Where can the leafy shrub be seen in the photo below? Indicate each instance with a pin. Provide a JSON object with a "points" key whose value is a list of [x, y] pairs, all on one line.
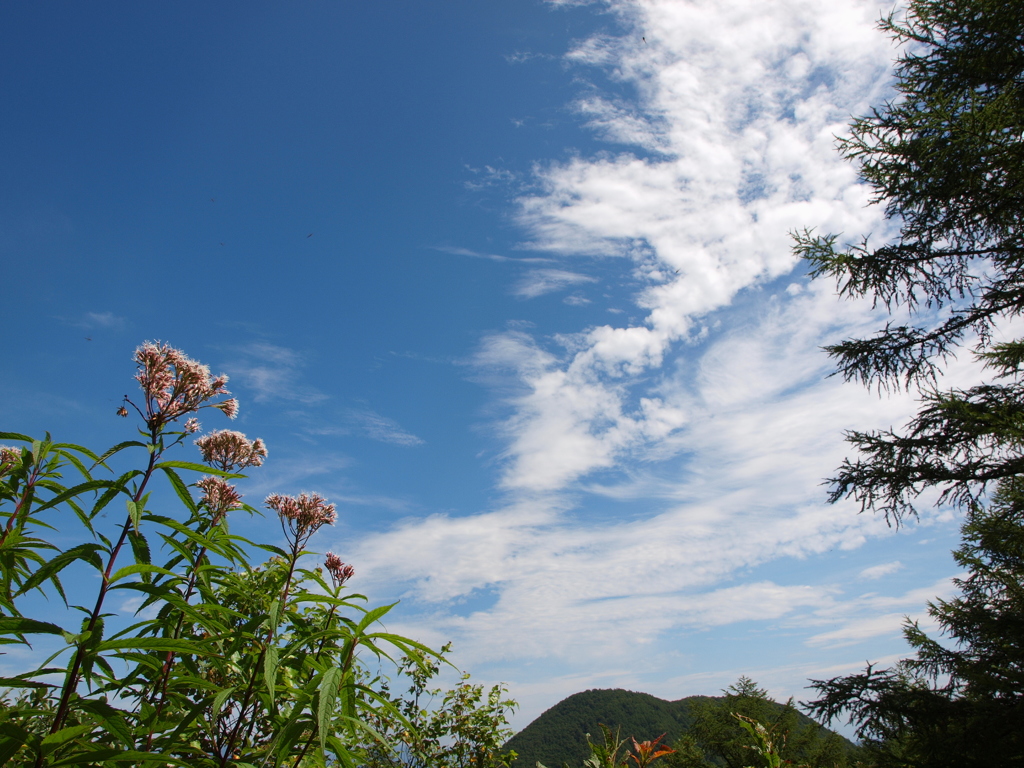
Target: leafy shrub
{"points": [[227, 660]]}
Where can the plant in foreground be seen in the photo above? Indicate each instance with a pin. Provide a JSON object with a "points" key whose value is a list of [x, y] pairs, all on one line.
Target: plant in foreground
{"points": [[226, 661]]}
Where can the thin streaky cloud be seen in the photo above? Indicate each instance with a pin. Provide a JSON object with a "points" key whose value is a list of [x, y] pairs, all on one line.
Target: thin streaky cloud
{"points": [[381, 428], [455, 251], [538, 282], [272, 372], [878, 571], [100, 320]]}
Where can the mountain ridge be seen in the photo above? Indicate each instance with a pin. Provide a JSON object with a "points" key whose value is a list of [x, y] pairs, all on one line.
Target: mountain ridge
{"points": [[559, 735]]}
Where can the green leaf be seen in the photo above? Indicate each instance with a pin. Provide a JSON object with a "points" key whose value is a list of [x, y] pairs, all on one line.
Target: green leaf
{"points": [[12, 738], [218, 701], [140, 547], [373, 615], [20, 682], [325, 707], [63, 736], [135, 510], [270, 662], [196, 468], [112, 720], [150, 644], [274, 615], [87, 552], [129, 756], [180, 488], [128, 570], [120, 447], [16, 625], [72, 639], [78, 490]]}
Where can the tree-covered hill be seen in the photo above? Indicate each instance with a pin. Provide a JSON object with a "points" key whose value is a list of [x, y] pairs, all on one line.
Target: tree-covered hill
{"points": [[704, 724], [559, 735]]}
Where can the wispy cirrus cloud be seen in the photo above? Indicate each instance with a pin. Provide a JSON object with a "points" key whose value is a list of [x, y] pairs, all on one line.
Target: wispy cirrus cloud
{"points": [[538, 282], [381, 428], [878, 571], [651, 467], [100, 320], [456, 251], [272, 372]]}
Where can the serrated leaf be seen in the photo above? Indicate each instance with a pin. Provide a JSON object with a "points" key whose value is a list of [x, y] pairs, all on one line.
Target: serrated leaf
{"points": [[140, 547], [372, 616], [270, 662], [128, 570], [150, 644], [273, 615], [134, 757], [17, 625], [78, 490], [87, 552], [120, 447], [135, 509], [180, 489], [325, 707], [63, 736], [12, 738], [111, 719], [72, 639], [218, 701], [194, 467]]}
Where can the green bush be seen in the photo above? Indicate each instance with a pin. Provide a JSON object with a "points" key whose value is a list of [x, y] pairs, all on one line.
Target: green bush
{"points": [[227, 660]]}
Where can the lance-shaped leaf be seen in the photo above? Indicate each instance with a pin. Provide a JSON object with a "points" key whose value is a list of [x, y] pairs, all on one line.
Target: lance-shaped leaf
{"points": [[16, 625], [328, 689], [270, 663], [86, 552]]}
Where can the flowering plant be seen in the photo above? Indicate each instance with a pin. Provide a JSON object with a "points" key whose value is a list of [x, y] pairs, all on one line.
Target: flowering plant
{"points": [[228, 662]]}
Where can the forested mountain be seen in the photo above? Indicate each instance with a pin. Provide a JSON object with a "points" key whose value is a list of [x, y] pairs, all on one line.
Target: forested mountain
{"points": [[559, 736]]}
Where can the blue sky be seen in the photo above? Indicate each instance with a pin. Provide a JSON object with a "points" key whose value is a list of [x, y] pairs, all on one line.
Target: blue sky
{"points": [[511, 283]]}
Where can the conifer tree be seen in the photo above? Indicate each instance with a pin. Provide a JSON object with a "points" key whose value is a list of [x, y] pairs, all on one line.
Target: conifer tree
{"points": [[946, 160], [958, 702]]}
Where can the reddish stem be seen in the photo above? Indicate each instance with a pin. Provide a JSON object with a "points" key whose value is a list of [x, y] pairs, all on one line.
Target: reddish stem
{"points": [[71, 682]]}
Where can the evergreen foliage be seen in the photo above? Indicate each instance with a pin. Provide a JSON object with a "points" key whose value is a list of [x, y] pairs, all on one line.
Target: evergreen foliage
{"points": [[959, 703], [718, 730], [946, 159]]}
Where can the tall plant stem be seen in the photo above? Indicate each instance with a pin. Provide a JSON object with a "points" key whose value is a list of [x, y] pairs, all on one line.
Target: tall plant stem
{"points": [[237, 729], [71, 682], [24, 501], [165, 670], [319, 652]]}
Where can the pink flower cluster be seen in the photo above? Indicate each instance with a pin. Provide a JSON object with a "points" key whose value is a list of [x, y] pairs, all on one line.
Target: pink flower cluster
{"points": [[219, 496], [340, 572], [229, 450], [9, 458], [175, 385], [308, 512]]}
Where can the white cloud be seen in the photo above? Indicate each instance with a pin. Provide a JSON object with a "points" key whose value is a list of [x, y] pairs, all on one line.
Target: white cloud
{"points": [[651, 468], [537, 282], [457, 251], [878, 571], [272, 372], [382, 428], [103, 320]]}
